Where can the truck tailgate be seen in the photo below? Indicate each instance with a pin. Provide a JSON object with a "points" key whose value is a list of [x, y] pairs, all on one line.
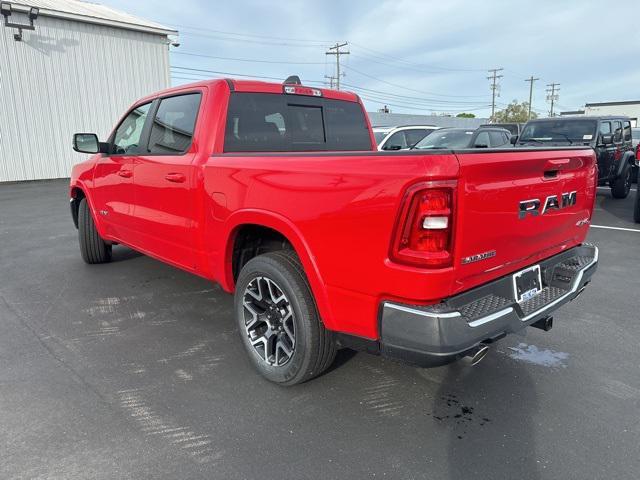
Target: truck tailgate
{"points": [[518, 206]]}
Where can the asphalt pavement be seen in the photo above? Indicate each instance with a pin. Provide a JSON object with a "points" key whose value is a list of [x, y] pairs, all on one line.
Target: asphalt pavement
{"points": [[134, 369]]}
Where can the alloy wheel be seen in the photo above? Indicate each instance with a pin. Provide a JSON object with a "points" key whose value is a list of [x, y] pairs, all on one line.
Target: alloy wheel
{"points": [[269, 321]]}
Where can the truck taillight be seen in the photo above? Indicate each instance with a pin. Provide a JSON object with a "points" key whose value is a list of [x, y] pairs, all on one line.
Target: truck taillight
{"points": [[424, 230]]}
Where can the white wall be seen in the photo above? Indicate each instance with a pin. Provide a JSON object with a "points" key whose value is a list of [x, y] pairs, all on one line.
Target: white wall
{"points": [[68, 77], [630, 110]]}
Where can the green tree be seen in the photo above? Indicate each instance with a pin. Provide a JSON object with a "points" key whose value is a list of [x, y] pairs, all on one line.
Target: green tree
{"points": [[465, 115], [514, 112]]}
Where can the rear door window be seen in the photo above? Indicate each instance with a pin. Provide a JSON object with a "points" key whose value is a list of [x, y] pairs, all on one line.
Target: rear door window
{"points": [[482, 140], [617, 132], [264, 122], [173, 125], [413, 136], [627, 131], [396, 141], [497, 139]]}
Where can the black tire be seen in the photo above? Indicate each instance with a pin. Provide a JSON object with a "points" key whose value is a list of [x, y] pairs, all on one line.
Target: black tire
{"points": [[621, 186], [92, 247], [636, 207], [314, 348]]}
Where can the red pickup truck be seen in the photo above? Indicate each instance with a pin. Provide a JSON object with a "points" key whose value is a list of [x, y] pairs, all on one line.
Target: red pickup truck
{"points": [[277, 192]]}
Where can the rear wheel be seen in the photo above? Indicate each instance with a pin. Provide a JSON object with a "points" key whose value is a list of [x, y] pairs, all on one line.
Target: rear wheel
{"points": [[278, 320], [636, 207], [621, 186], [92, 247]]}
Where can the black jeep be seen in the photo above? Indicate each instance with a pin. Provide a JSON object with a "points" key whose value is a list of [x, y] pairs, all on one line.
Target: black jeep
{"points": [[610, 137]]}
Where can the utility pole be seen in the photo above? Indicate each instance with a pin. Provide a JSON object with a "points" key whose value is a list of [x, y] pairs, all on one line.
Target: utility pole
{"points": [[495, 88], [335, 50], [331, 78], [552, 95], [530, 80]]}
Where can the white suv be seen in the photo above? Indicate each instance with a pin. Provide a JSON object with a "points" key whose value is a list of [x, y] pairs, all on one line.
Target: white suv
{"points": [[401, 138]]}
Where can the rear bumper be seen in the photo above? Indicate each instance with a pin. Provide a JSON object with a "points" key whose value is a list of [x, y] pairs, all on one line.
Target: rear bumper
{"points": [[439, 334]]}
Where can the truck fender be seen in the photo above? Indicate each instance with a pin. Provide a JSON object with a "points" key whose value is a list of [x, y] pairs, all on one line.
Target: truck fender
{"points": [[288, 229], [627, 158], [74, 201]]}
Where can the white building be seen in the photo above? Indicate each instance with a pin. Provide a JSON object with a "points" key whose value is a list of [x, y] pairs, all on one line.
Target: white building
{"points": [[630, 109], [77, 71]]}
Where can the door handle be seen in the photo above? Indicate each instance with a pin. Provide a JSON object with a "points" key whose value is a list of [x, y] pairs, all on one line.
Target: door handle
{"points": [[554, 166], [125, 173], [557, 164], [175, 177]]}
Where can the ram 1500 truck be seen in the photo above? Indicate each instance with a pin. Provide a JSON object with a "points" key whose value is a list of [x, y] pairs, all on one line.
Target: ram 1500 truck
{"points": [[277, 192]]}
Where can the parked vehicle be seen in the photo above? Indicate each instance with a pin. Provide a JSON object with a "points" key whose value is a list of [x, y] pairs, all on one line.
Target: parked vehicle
{"points": [[635, 140], [514, 128], [277, 192], [446, 138], [610, 137], [401, 138], [636, 207]]}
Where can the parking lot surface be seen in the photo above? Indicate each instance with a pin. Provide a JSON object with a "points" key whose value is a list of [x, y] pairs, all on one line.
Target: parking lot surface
{"points": [[134, 369]]}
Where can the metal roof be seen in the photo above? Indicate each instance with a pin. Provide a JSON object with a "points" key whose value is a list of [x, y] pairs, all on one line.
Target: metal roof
{"points": [[91, 13]]}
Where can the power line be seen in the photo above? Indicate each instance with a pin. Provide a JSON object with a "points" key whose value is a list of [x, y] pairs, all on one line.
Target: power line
{"points": [[335, 50], [200, 71], [531, 79], [495, 88], [413, 98], [251, 60], [249, 40], [251, 35], [402, 86], [412, 107], [399, 60]]}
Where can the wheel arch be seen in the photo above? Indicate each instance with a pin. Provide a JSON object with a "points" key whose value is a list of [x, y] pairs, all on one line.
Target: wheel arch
{"points": [[627, 158], [287, 230], [78, 191]]}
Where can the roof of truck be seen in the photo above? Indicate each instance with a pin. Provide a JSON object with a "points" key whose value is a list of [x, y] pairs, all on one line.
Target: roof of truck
{"points": [[256, 86]]}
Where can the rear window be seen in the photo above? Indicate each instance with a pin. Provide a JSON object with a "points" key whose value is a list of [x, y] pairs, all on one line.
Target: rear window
{"points": [[445, 139], [264, 122], [570, 131]]}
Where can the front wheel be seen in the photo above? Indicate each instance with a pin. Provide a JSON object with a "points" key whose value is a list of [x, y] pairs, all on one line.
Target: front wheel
{"points": [[92, 247], [278, 320], [636, 207], [621, 186]]}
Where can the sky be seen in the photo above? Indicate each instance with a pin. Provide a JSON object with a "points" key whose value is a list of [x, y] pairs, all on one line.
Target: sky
{"points": [[414, 56]]}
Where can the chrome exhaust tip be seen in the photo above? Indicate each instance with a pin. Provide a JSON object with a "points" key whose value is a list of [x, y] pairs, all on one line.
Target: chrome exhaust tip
{"points": [[477, 354]]}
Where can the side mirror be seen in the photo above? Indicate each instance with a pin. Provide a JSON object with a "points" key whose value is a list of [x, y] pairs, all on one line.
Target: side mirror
{"points": [[606, 138], [88, 143], [513, 140], [481, 145], [393, 147]]}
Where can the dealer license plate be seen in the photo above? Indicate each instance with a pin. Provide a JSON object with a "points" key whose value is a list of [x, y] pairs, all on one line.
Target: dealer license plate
{"points": [[527, 283]]}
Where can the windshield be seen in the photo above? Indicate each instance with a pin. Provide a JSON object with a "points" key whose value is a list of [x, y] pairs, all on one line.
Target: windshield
{"points": [[379, 136], [445, 139], [573, 131]]}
